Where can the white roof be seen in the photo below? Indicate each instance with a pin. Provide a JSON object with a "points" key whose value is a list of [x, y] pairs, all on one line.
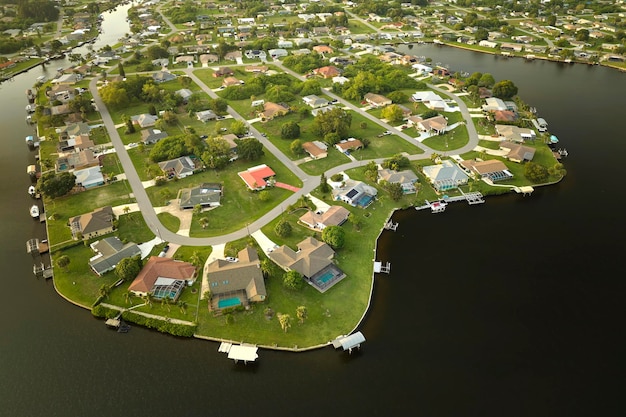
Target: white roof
{"points": [[243, 353], [351, 341]]}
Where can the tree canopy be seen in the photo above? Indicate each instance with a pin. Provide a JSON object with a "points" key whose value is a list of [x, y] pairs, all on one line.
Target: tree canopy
{"points": [[128, 268], [335, 236], [336, 121], [249, 149], [293, 280], [504, 89], [53, 185]]}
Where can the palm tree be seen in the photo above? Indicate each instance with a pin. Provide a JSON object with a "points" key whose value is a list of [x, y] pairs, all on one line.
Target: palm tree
{"points": [[104, 291], [301, 312], [285, 321], [204, 222], [195, 259], [266, 267], [148, 299], [126, 209], [183, 307], [127, 297]]}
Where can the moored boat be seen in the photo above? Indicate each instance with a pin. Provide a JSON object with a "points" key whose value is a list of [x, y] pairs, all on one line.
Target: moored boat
{"points": [[32, 191], [34, 211]]}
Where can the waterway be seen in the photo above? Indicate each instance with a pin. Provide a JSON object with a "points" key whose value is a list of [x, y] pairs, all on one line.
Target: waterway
{"points": [[513, 308]]}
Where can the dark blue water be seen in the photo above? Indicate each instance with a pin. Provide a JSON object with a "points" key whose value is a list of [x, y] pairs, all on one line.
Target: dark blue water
{"points": [[511, 308]]}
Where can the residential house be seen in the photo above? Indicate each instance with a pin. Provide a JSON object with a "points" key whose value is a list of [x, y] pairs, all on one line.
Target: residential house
{"points": [[317, 220], [327, 72], [89, 177], [73, 130], [504, 116], [515, 134], [316, 149], [163, 278], [60, 110], [242, 279], [492, 169], [230, 139], [431, 100], [180, 167], [185, 59], [206, 59], [350, 144], [230, 81], [109, 252], [406, 179], [232, 56], [150, 136], [278, 53], [206, 115], [376, 100], [144, 120], [272, 110], [493, 104], [445, 176], [314, 101], [163, 76], [77, 143], [322, 110], [67, 79], [517, 153], [256, 69], [355, 193], [76, 160], [257, 177], [312, 257], [255, 54], [437, 124], [323, 49], [97, 223], [204, 195], [184, 93], [223, 72]]}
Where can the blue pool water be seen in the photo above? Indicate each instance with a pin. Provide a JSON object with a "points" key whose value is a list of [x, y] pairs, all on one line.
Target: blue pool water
{"points": [[325, 278], [228, 302]]}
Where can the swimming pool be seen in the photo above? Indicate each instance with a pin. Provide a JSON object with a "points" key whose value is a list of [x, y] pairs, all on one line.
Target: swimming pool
{"points": [[229, 302], [327, 276]]}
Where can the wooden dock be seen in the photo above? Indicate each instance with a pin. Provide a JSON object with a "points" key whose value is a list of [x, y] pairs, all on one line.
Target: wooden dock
{"points": [[382, 269], [390, 225]]}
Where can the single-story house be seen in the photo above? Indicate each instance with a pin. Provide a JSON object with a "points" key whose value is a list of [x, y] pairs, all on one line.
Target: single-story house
{"points": [[445, 176], [76, 160], [278, 52], [272, 110], [518, 153], [231, 56], [314, 101], [204, 195], [316, 149], [312, 256], [144, 120], [60, 110], [504, 116], [376, 100], [73, 130], [206, 115], [257, 69], [334, 216], [89, 177], [109, 252], [230, 139], [322, 110], [98, 222], [349, 145], [493, 104], [223, 72], [436, 124], [163, 278], [150, 136], [256, 178], [163, 76], [431, 100], [493, 169], [242, 280], [185, 93], [515, 134], [406, 179], [180, 167], [327, 72], [323, 49], [230, 81], [355, 193], [206, 59]]}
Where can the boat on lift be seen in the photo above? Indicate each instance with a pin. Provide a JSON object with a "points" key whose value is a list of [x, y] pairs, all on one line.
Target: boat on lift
{"points": [[32, 191], [34, 211]]}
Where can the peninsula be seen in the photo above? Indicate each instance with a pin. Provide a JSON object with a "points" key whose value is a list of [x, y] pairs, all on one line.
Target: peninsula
{"points": [[207, 181]]}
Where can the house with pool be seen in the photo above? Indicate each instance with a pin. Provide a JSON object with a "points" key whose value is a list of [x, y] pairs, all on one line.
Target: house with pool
{"points": [[237, 281], [163, 278], [313, 260]]}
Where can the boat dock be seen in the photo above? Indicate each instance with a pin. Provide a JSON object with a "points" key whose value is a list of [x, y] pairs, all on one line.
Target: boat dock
{"points": [[41, 271], [244, 352], [117, 324], [349, 342], [379, 268], [390, 225], [440, 205], [35, 247]]}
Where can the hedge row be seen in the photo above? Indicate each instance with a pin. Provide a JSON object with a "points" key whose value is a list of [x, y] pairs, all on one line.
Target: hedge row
{"points": [[160, 325]]}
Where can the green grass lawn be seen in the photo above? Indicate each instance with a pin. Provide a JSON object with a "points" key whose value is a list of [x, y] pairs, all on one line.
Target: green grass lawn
{"points": [[449, 141], [316, 167]]}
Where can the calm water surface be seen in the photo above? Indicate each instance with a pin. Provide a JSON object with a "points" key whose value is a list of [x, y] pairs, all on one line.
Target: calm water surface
{"points": [[511, 308]]}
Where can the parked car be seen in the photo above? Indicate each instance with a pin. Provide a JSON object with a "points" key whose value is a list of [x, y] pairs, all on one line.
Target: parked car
{"points": [[231, 259]]}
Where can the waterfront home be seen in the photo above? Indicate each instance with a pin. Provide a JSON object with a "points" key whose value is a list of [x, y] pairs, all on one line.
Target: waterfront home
{"points": [[355, 193], [445, 176], [73, 130], [258, 177], [180, 167], [97, 223], [516, 152], [515, 134], [236, 283], [376, 100], [493, 103], [77, 143], [405, 178], [318, 220], [272, 110], [313, 260], [89, 177], [163, 278], [68, 161], [150, 136], [109, 252], [204, 195], [60, 110], [492, 169], [315, 149]]}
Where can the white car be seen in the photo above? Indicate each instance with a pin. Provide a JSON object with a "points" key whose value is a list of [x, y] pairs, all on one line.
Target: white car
{"points": [[231, 259]]}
